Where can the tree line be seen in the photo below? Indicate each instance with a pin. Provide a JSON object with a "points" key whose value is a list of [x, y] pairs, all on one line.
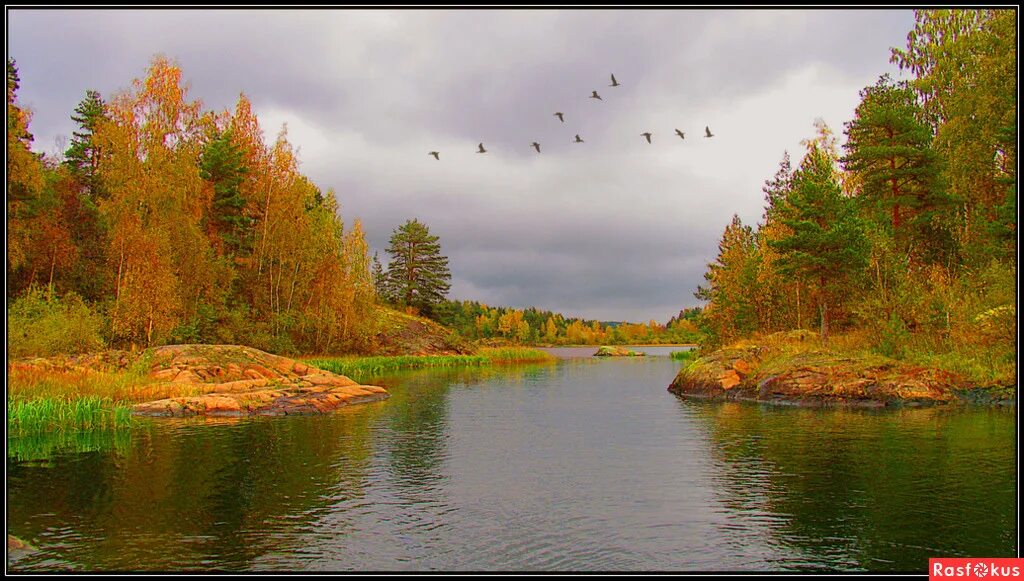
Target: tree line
{"points": [[475, 320], [171, 223], [907, 237]]}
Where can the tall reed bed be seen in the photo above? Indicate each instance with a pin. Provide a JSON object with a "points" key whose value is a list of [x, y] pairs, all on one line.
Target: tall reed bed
{"points": [[50, 414], [125, 387], [516, 355], [43, 399], [362, 366], [365, 366]]}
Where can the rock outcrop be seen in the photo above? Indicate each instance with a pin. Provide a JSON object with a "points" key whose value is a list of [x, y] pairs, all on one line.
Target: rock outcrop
{"points": [[770, 374], [221, 380], [228, 380]]}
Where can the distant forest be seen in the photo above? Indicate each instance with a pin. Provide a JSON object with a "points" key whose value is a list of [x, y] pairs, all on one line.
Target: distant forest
{"points": [[476, 320]]}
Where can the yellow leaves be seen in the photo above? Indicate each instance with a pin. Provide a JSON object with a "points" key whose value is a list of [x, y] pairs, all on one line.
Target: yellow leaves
{"points": [[156, 203], [147, 305]]}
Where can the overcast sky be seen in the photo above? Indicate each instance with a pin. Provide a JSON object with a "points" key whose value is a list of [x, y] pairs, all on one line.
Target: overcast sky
{"points": [[612, 229]]}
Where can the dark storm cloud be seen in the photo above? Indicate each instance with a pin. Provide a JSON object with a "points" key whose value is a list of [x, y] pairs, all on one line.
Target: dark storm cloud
{"points": [[613, 228]]}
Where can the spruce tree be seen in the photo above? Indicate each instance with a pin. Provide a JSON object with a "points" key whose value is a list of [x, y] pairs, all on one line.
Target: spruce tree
{"points": [[418, 274], [730, 313], [379, 279]]}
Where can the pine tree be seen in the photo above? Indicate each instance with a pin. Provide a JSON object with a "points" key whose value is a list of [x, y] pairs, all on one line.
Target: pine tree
{"points": [[25, 176], [418, 274], [889, 148], [222, 165], [826, 244]]}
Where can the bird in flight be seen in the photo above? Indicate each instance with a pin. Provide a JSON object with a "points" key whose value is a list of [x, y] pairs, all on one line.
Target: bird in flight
{"points": [[536, 146], [596, 96], [707, 131], [578, 140], [559, 115], [614, 82], [436, 154], [482, 150], [647, 134], [680, 134]]}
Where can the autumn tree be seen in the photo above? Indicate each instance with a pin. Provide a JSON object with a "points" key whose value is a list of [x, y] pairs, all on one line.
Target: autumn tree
{"points": [[550, 330], [512, 325], [154, 206], [730, 311], [25, 179], [778, 302], [965, 63], [418, 273]]}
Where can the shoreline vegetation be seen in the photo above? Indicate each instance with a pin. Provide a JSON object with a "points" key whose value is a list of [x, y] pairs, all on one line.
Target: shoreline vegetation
{"points": [[358, 366], [101, 390]]}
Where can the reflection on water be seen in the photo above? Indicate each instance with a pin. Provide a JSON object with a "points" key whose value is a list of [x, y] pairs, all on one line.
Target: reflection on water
{"points": [[586, 465], [868, 488]]}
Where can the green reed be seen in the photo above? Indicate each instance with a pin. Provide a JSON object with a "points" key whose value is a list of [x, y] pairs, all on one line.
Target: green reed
{"points": [[48, 414], [362, 366]]}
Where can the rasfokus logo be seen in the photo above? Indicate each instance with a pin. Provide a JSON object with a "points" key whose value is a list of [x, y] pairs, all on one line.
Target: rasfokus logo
{"points": [[978, 568]]}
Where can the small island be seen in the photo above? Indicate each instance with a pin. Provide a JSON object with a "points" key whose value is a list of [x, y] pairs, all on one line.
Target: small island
{"points": [[607, 351], [791, 368]]}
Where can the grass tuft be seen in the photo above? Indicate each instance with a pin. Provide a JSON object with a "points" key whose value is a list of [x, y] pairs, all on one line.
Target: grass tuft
{"points": [[57, 414]]}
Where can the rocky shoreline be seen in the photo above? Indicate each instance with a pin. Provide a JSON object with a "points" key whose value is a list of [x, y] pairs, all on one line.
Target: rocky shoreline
{"points": [[787, 369], [224, 380]]}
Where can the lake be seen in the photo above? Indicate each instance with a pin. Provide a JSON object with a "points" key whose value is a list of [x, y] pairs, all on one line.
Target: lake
{"points": [[585, 464]]}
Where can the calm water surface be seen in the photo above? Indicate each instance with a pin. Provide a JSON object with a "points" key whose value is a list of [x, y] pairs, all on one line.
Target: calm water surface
{"points": [[585, 465]]}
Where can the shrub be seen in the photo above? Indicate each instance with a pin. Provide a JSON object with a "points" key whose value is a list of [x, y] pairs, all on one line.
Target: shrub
{"points": [[894, 338], [39, 323]]}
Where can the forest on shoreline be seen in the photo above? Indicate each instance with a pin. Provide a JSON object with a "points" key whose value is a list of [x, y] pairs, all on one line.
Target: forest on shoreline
{"points": [[164, 223], [902, 243]]}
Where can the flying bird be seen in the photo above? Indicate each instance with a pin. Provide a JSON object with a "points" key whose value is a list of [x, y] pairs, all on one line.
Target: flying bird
{"points": [[578, 140], [647, 134], [536, 146], [559, 115], [614, 82], [436, 154], [596, 96], [482, 150], [707, 132], [680, 134]]}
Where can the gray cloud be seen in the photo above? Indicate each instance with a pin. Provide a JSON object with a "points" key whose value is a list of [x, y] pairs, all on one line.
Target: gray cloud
{"points": [[613, 228]]}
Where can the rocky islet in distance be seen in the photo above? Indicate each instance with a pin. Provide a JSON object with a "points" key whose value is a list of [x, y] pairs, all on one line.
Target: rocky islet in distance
{"points": [[617, 352]]}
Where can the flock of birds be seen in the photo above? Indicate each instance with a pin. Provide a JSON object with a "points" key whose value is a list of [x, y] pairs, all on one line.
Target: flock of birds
{"points": [[561, 117]]}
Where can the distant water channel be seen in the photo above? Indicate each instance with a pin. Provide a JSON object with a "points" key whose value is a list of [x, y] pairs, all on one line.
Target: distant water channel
{"points": [[586, 464]]}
